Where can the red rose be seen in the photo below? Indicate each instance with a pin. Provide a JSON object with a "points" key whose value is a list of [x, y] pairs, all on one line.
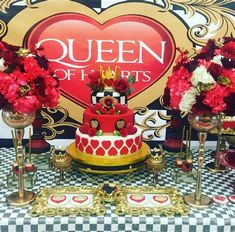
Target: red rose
{"points": [[84, 128], [131, 129], [121, 85], [95, 81], [95, 108], [92, 131], [121, 109], [215, 70], [123, 132]]}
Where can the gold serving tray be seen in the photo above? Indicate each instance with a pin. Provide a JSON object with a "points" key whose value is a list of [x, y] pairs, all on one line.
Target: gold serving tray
{"points": [[41, 206], [177, 206]]}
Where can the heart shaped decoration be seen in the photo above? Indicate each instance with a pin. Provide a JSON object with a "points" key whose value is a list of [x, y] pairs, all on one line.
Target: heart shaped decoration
{"points": [[161, 199], [77, 44], [137, 198], [220, 199], [80, 198], [232, 199], [58, 198]]}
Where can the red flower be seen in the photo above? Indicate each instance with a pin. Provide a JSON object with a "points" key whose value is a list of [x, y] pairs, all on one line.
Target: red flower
{"points": [[121, 85], [121, 109], [203, 82], [84, 128], [131, 129], [228, 50], [214, 98], [96, 108], [92, 131], [123, 132], [95, 82], [27, 82]]}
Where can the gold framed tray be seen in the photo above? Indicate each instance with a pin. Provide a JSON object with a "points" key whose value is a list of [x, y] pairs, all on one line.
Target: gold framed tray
{"points": [[65, 201], [109, 165], [149, 200]]}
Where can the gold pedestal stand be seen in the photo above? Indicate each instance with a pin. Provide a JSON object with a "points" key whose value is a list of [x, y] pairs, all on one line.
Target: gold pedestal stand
{"points": [[215, 166], [19, 121], [22, 197], [201, 203], [202, 123]]}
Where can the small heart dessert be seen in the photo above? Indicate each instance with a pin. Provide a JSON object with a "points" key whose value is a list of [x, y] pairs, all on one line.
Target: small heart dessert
{"points": [[137, 199], [220, 199], [80, 200], [161, 200], [232, 199], [57, 199]]}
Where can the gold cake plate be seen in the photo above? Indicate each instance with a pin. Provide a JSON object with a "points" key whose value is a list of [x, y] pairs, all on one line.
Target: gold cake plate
{"points": [[109, 165]]}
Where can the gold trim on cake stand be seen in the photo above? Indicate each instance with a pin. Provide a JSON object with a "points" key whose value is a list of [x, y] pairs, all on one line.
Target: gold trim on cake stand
{"points": [[127, 163]]}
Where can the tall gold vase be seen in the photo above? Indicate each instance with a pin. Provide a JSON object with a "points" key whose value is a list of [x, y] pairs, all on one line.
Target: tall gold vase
{"points": [[203, 123], [19, 122]]}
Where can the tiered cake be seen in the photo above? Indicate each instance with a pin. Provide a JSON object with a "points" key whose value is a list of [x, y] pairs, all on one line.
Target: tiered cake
{"points": [[108, 139]]}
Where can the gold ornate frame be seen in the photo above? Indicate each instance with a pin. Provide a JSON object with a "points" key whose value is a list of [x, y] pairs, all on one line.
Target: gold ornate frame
{"points": [[41, 208], [177, 206]]}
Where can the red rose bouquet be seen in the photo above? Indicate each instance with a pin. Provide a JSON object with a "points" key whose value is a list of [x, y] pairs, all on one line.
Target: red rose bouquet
{"points": [[106, 79], [27, 81], [204, 82]]}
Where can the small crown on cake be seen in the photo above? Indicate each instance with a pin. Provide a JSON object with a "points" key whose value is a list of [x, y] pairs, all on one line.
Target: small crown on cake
{"points": [[108, 73]]}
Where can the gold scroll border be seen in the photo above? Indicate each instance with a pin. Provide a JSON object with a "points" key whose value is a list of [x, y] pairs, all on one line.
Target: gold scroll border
{"points": [[42, 10], [177, 206], [41, 208]]}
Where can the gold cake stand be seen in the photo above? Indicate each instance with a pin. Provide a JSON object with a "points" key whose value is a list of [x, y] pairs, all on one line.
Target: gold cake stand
{"points": [[109, 165]]}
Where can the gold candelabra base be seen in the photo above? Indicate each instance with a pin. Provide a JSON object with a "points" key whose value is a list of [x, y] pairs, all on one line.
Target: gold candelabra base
{"points": [[203, 203], [14, 198], [213, 167]]}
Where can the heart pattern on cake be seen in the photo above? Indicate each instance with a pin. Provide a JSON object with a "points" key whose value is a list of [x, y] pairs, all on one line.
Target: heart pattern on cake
{"points": [[106, 144], [118, 143], [94, 143]]}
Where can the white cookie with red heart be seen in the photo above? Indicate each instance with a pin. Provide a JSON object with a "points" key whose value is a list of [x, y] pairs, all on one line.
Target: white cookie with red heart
{"points": [[80, 200], [58, 200], [232, 199], [137, 199], [220, 199], [160, 200]]}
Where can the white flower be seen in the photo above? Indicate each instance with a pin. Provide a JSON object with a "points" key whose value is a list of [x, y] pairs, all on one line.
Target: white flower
{"points": [[200, 75], [217, 60], [188, 100], [2, 67]]}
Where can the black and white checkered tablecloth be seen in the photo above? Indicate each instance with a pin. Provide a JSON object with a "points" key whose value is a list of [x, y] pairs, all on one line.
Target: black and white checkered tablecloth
{"points": [[217, 218]]}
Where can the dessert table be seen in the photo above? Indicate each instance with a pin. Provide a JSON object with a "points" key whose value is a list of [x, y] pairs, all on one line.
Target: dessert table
{"points": [[217, 218]]}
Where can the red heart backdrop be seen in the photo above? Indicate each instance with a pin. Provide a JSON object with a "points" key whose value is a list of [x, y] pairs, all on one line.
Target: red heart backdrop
{"points": [[78, 44]]}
